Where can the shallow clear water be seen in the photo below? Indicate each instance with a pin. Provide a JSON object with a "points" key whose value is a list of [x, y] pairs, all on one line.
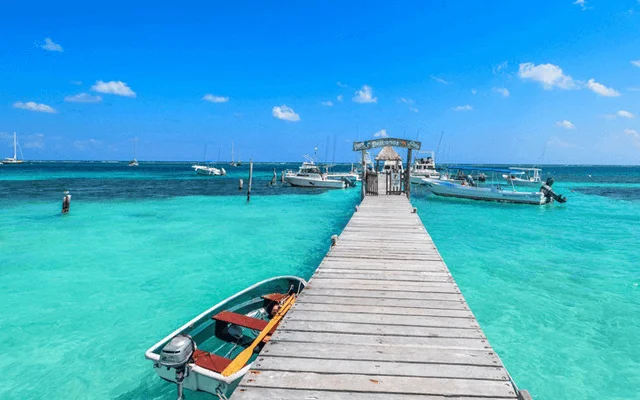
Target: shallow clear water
{"points": [[145, 249]]}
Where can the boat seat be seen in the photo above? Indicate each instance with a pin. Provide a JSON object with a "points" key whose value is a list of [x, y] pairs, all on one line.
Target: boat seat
{"points": [[277, 297], [241, 320], [210, 361]]}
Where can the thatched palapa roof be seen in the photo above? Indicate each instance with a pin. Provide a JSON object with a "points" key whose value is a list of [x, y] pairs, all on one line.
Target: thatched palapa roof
{"points": [[388, 154]]}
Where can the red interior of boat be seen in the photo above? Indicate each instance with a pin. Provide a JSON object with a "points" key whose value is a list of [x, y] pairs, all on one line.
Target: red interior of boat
{"points": [[277, 297], [241, 320], [210, 361]]}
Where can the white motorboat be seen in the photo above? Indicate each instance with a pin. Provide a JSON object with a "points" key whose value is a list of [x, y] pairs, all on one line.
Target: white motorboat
{"points": [[424, 167], [353, 175], [14, 159], [469, 189], [310, 175], [213, 351], [524, 176]]}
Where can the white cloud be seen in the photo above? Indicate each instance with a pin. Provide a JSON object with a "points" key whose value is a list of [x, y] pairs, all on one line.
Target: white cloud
{"points": [[463, 108], [83, 98], [381, 133], [365, 95], [474, 91], [502, 91], [113, 87], [415, 110], [342, 85], [557, 142], [49, 45], [636, 63], [32, 106], [500, 67], [215, 99], [340, 97], [635, 135], [601, 89], [566, 124], [581, 3], [405, 101], [549, 75], [34, 141], [440, 80], [327, 103], [625, 114], [285, 113]]}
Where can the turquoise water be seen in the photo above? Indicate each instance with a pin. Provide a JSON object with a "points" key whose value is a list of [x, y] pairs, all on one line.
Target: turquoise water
{"points": [[144, 250]]}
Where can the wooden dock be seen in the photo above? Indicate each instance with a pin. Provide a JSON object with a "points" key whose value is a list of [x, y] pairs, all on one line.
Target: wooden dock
{"points": [[382, 318]]}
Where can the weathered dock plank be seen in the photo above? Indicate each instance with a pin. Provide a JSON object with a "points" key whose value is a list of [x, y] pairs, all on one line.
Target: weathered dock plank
{"points": [[381, 318]]}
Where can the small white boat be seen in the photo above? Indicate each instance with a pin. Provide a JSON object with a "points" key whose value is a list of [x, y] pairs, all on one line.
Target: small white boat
{"points": [[213, 351], [524, 176], [208, 170], [353, 175], [424, 167], [14, 159], [134, 162], [310, 175]]}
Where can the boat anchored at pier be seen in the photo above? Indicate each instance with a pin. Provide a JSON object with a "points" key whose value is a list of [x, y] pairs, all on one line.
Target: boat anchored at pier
{"points": [[213, 351]]}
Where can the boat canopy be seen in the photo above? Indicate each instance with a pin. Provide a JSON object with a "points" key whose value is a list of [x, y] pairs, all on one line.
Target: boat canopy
{"points": [[525, 169], [483, 169]]}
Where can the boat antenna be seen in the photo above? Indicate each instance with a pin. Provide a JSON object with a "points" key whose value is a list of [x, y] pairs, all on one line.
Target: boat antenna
{"points": [[326, 151], [335, 136], [439, 141]]}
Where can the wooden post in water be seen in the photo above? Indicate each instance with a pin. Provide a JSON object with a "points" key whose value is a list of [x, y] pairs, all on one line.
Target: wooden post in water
{"points": [[363, 191], [66, 202], [250, 179], [282, 176], [240, 182], [407, 184]]}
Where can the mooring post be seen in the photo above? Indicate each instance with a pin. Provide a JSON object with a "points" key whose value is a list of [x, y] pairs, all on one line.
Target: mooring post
{"points": [[407, 184], [240, 182], [282, 177], [363, 190], [66, 202], [250, 179], [334, 240]]}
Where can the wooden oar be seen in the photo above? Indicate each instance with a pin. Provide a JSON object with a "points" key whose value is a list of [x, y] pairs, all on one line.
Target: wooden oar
{"points": [[242, 358]]}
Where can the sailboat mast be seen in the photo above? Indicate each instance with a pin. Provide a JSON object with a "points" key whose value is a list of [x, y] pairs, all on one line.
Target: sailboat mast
{"points": [[232, 151], [15, 144]]}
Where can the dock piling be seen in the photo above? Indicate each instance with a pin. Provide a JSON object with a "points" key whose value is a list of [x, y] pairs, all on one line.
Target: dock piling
{"points": [[250, 179], [66, 202]]}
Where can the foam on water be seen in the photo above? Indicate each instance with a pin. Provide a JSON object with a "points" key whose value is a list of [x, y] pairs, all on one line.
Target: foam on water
{"points": [[144, 250]]}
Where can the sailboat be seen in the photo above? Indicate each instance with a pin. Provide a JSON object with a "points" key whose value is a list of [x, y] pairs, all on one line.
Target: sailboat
{"points": [[205, 169], [14, 159], [234, 163], [134, 162]]}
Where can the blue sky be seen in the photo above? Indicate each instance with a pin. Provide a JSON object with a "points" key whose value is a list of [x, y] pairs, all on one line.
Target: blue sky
{"points": [[502, 79]]}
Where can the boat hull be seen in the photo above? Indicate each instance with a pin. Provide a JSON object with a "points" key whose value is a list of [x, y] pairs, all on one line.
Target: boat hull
{"points": [[301, 181], [450, 189], [202, 328], [208, 171]]}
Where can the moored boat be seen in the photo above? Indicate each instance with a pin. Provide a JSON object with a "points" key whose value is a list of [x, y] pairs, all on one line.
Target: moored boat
{"points": [[524, 176], [310, 175], [14, 159], [468, 188], [424, 167], [208, 170], [213, 351]]}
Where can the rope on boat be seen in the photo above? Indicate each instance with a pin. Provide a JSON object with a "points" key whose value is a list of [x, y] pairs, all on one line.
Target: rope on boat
{"points": [[221, 395]]}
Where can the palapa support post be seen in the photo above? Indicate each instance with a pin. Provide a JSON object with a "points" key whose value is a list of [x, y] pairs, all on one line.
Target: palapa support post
{"points": [[66, 202], [407, 184], [363, 189], [250, 179]]}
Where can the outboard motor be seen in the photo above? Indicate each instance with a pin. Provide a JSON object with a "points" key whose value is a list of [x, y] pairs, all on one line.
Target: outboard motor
{"points": [[549, 194], [470, 181], [348, 182], [177, 354], [482, 178]]}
